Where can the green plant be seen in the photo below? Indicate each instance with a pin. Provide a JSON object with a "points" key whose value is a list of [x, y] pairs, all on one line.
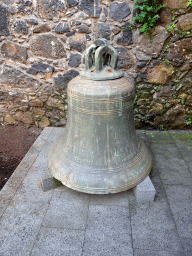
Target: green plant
{"points": [[181, 101], [156, 88], [178, 32], [122, 28], [188, 121], [167, 47], [148, 14], [130, 27], [189, 3], [172, 27]]}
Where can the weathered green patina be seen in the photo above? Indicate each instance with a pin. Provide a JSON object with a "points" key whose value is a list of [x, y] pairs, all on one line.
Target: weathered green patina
{"points": [[101, 61]]}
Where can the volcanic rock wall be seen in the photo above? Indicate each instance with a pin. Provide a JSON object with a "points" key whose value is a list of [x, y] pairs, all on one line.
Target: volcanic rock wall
{"points": [[41, 49]]}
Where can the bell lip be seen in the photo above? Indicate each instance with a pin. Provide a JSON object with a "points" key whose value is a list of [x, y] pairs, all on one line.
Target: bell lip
{"points": [[103, 75], [145, 163], [105, 191]]}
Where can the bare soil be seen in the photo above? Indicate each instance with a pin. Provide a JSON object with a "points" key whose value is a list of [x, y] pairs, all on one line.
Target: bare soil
{"points": [[15, 142]]}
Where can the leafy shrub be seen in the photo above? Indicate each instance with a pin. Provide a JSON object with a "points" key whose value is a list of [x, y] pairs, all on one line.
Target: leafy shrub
{"points": [[148, 14], [189, 3]]}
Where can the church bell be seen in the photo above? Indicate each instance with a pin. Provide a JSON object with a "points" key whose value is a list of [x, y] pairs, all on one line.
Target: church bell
{"points": [[99, 151]]}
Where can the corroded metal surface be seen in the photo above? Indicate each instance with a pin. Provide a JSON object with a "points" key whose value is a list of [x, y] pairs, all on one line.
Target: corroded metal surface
{"points": [[99, 151], [101, 61]]}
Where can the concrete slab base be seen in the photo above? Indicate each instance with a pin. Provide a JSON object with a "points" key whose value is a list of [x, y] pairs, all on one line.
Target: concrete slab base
{"points": [[145, 191], [48, 182]]}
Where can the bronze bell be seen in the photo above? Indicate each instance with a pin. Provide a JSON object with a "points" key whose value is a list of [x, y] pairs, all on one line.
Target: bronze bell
{"points": [[99, 152]]}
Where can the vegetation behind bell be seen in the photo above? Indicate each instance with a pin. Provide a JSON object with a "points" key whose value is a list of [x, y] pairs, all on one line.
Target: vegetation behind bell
{"points": [[99, 152]]}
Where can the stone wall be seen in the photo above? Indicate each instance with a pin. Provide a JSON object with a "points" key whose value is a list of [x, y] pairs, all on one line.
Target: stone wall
{"points": [[41, 49]]}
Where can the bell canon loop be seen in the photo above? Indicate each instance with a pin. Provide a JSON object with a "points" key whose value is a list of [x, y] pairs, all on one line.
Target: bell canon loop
{"points": [[99, 151]]}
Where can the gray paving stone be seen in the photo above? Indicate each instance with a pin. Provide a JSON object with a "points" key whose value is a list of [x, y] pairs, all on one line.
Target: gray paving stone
{"points": [[183, 141], [119, 199], [171, 165], [108, 231], [32, 191], [68, 209], [56, 241], [139, 252], [174, 171], [19, 227], [14, 182], [108, 217], [110, 242], [4, 204], [39, 169], [180, 200], [153, 227], [187, 244], [159, 137]]}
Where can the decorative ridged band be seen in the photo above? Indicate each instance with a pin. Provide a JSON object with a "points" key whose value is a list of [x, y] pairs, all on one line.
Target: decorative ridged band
{"points": [[128, 164], [114, 100]]}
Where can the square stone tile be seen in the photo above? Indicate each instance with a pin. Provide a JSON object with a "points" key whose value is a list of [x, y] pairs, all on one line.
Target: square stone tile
{"points": [[180, 200], [19, 227], [139, 252], [108, 242], [108, 231], [159, 137], [58, 242], [171, 166], [183, 141], [68, 209], [104, 217], [187, 244], [153, 227], [117, 199]]}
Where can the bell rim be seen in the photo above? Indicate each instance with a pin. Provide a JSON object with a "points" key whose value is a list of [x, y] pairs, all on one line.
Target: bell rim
{"points": [[145, 163]]}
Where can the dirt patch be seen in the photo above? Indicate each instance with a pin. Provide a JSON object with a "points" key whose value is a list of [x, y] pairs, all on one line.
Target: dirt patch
{"points": [[15, 142]]}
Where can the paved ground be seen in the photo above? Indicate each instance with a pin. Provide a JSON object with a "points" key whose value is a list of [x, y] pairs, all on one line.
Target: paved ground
{"points": [[65, 222]]}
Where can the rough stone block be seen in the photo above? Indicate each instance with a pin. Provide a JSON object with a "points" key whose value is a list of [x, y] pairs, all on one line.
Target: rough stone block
{"points": [[103, 30], [157, 73], [48, 184], [125, 58], [175, 4], [119, 11], [145, 191], [21, 27], [90, 6], [47, 46], [17, 79], [14, 51], [62, 28], [125, 38], [185, 21], [3, 21], [49, 9], [74, 60], [61, 81]]}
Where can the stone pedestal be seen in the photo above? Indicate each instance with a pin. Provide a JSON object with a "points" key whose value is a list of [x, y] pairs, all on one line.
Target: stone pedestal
{"points": [[145, 191]]}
